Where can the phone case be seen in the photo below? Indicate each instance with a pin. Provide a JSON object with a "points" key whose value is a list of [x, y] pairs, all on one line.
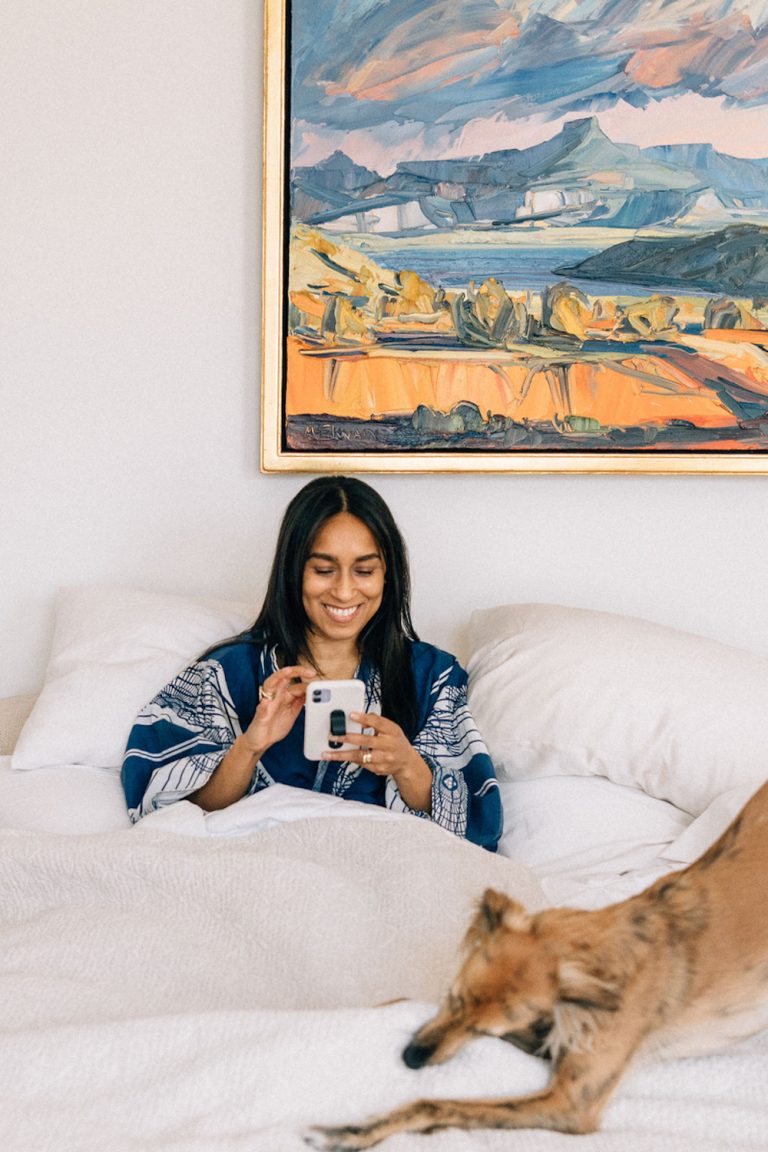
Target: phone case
{"points": [[326, 711]]}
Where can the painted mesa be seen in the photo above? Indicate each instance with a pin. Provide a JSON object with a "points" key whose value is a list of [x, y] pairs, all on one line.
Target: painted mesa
{"points": [[572, 296]]}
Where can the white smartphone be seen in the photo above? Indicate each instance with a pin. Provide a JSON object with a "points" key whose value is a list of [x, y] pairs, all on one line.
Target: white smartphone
{"points": [[326, 714]]}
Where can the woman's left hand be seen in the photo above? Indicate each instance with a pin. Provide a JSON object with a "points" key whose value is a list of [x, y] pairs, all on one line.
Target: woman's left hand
{"points": [[385, 750]]}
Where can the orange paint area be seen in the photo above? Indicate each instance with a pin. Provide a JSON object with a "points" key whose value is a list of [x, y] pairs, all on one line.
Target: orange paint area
{"points": [[363, 384], [702, 50], [369, 343]]}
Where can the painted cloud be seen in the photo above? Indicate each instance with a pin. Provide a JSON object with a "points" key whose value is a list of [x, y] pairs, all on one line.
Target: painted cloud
{"points": [[362, 63]]}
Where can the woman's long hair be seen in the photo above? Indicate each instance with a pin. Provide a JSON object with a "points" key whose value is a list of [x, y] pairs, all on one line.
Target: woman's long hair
{"points": [[384, 641]]}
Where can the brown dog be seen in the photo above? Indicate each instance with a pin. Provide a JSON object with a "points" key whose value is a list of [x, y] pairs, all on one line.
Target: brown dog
{"points": [[682, 968]]}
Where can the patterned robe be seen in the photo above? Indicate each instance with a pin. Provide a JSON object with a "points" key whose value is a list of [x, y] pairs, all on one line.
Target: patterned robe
{"points": [[180, 737]]}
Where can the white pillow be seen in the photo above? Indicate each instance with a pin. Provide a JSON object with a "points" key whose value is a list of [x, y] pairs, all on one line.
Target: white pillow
{"points": [[558, 823], [72, 799], [113, 649], [590, 842], [560, 691], [694, 840]]}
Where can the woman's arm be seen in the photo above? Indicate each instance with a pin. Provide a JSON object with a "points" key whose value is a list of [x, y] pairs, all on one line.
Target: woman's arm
{"points": [[414, 784], [465, 794], [386, 750], [281, 699], [187, 742], [230, 779], [179, 739], [446, 773]]}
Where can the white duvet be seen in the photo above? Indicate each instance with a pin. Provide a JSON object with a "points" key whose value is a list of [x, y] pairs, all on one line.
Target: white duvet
{"points": [[210, 983]]}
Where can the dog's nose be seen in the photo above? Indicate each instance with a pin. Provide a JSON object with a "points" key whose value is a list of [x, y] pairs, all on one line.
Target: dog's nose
{"points": [[416, 1055]]}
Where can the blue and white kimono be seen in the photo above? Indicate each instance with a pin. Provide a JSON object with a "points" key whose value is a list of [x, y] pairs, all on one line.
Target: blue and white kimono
{"points": [[181, 736]]}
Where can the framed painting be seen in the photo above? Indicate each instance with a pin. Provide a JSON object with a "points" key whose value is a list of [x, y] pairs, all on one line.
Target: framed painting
{"points": [[515, 235]]}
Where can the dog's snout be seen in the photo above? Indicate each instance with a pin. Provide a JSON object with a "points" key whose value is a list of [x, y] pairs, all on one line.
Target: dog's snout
{"points": [[416, 1055]]}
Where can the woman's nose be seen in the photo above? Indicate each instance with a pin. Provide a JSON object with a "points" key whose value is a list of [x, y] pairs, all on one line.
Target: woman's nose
{"points": [[344, 586]]}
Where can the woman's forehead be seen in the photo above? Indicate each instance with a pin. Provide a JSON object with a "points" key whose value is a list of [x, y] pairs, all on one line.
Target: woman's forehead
{"points": [[345, 536]]}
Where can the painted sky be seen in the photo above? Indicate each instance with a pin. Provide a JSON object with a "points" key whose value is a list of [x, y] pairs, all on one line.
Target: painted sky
{"points": [[390, 80]]}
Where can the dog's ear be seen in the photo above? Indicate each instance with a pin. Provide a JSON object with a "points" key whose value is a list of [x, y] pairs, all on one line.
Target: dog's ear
{"points": [[499, 911], [578, 985]]}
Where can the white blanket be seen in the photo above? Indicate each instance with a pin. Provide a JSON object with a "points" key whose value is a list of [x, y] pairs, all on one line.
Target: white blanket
{"points": [[170, 993]]}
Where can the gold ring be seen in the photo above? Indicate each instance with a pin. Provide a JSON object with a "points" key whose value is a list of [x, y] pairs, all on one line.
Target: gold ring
{"points": [[367, 756], [264, 695]]}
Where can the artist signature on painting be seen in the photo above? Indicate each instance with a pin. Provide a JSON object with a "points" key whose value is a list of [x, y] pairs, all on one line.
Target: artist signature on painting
{"points": [[333, 431]]}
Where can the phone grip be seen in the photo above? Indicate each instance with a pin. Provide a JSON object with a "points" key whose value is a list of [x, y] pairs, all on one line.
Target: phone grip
{"points": [[338, 727], [338, 722]]}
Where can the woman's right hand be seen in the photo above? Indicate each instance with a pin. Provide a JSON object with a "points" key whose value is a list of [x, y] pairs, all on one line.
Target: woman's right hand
{"points": [[281, 698]]}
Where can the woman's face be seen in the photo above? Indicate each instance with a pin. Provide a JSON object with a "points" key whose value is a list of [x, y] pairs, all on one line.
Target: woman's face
{"points": [[343, 580]]}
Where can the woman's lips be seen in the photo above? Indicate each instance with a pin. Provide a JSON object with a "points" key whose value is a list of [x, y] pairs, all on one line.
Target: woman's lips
{"points": [[341, 614]]}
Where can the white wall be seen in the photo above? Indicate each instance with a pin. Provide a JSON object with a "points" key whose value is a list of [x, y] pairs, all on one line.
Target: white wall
{"points": [[129, 365]]}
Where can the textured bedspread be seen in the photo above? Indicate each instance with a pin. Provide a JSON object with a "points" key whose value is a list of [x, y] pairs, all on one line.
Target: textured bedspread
{"points": [[170, 993]]}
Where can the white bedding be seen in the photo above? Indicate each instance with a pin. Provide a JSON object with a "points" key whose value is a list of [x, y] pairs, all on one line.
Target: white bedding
{"points": [[208, 983]]}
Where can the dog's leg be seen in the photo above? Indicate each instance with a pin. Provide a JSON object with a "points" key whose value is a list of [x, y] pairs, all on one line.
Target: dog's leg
{"points": [[543, 1110], [572, 1103]]}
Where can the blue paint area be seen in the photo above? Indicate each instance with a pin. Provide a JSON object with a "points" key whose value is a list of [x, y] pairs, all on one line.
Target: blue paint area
{"points": [[545, 82], [517, 268], [513, 58]]}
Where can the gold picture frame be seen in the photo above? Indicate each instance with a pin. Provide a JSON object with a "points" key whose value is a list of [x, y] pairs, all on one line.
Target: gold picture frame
{"points": [[378, 357]]}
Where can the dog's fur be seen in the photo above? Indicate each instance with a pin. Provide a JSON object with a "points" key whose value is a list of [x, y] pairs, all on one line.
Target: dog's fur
{"points": [[682, 967]]}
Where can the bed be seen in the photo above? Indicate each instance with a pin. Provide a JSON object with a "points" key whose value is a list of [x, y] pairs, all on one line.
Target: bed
{"points": [[219, 982]]}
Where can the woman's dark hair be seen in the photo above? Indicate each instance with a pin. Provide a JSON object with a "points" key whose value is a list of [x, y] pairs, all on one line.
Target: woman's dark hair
{"points": [[384, 641]]}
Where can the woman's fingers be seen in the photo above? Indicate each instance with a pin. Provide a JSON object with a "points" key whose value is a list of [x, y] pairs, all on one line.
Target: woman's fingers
{"points": [[291, 680], [374, 721], [281, 698], [378, 732], [377, 748]]}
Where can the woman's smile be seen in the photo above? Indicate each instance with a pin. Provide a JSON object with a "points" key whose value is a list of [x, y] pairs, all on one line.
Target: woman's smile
{"points": [[342, 614], [343, 582]]}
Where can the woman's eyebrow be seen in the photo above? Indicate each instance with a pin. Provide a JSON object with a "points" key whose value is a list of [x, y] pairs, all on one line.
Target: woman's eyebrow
{"points": [[334, 559]]}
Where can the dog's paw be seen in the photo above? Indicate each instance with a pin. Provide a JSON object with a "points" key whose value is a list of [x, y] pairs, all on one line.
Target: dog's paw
{"points": [[315, 1138], [347, 1139]]}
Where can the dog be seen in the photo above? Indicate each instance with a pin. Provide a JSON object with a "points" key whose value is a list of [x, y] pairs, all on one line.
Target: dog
{"points": [[679, 969]]}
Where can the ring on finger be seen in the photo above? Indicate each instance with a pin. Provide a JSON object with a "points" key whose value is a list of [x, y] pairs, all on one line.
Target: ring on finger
{"points": [[367, 756], [264, 694]]}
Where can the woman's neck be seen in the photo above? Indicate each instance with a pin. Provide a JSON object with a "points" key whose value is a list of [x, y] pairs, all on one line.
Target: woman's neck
{"points": [[334, 661]]}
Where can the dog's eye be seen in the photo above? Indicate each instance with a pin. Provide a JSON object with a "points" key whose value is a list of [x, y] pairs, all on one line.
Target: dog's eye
{"points": [[542, 1027], [532, 1038]]}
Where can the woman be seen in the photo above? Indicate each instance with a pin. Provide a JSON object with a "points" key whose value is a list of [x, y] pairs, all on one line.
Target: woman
{"points": [[337, 607]]}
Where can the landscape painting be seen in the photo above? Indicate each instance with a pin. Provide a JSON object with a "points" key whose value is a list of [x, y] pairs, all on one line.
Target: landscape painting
{"points": [[516, 235]]}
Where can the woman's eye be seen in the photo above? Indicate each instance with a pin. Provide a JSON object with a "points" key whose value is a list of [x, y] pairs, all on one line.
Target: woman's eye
{"points": [[365, 571], [323, 571]]}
